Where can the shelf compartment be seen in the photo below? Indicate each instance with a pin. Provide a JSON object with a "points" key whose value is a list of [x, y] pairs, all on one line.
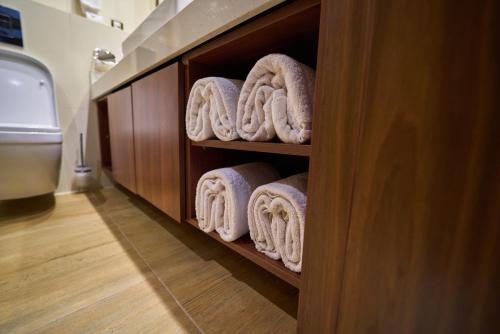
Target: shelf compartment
{"points": [[292, 29], [104, 137], [266, 147], [246, 247], [201, 159]]}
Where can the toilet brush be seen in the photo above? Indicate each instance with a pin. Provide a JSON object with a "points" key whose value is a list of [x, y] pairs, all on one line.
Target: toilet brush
{"points": [[82, 172], [82, 162]]}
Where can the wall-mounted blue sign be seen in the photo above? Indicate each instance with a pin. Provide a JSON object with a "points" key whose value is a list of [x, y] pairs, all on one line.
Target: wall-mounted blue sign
{"points": [[10, 26]]}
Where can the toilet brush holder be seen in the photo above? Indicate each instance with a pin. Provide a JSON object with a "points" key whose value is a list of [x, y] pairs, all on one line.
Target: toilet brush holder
{"points": [[83, 178]]}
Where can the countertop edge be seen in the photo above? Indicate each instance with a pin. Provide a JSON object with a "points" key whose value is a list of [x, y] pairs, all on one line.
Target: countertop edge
{"points": [[156, 50]]}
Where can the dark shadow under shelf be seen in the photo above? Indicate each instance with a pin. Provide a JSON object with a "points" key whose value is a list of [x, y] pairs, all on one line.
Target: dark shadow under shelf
{"points": [[246, 247], [267, 147], [108, 171]]}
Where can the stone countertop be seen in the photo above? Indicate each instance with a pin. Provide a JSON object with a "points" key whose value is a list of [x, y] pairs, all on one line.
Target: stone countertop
{"points": [[196, 23]]}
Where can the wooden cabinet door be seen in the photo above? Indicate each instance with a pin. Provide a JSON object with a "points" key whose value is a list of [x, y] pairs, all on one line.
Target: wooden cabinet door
{"points": [[403, 226], [121, 132], [158, 141]]}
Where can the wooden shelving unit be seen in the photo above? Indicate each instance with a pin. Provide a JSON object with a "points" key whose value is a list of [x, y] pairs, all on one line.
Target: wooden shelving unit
{"points": [[291, 29], [246, 247], [265, 147]]}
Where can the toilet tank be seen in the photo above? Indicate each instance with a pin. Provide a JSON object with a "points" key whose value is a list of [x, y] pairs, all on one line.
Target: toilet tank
{"points": [[26, 94]]}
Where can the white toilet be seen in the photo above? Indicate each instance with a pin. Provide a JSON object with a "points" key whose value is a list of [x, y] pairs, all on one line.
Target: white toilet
{"points": [[30, 137]]}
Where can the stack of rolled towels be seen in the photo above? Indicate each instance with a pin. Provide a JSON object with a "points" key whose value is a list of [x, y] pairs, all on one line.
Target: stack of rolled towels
{"points": [[252, 198], [274, 100]]}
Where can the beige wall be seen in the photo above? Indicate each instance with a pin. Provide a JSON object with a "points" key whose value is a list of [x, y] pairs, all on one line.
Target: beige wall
{"points": [[64, 43], [130, 12]]}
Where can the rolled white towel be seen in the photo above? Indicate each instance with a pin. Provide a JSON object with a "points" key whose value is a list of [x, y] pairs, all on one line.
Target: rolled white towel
{"points": [[276, 216], [222, 197], [276, 98], [211, 109]]}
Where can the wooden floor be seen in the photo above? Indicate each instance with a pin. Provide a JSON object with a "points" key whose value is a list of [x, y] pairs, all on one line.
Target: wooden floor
{"points": [[109, 262]]}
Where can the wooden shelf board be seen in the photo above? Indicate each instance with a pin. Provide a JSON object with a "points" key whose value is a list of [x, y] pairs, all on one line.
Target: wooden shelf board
{"points": [[245, 247], [267, 147]]}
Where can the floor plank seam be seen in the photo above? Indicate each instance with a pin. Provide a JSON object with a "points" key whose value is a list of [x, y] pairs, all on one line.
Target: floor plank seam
{"points": [[158, 278], [45, 327]]}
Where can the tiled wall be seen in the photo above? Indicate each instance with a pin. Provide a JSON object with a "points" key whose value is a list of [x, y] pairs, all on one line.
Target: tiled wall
{"points": [[64, 43]]}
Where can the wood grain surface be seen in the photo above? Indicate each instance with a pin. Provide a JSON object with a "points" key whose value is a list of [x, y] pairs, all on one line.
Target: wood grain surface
{"points": [[159, 146], [266, 147], [66, 268], [404, 197], [222, 291], [121, 133], [108, 261], [246, 247]]}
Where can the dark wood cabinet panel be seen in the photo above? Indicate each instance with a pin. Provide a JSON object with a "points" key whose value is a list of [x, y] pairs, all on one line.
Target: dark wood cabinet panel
{"points": [[336, 125], [158, 139], [121, 133], [403, 231], [424, 242]]}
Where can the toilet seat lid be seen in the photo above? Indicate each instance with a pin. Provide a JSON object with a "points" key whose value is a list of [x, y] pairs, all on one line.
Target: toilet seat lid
{"points": [[26, 92]]}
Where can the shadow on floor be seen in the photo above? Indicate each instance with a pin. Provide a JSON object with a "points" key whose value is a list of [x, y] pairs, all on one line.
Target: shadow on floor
{"points": [[37, 206], [98, 199], [269, 286]]}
